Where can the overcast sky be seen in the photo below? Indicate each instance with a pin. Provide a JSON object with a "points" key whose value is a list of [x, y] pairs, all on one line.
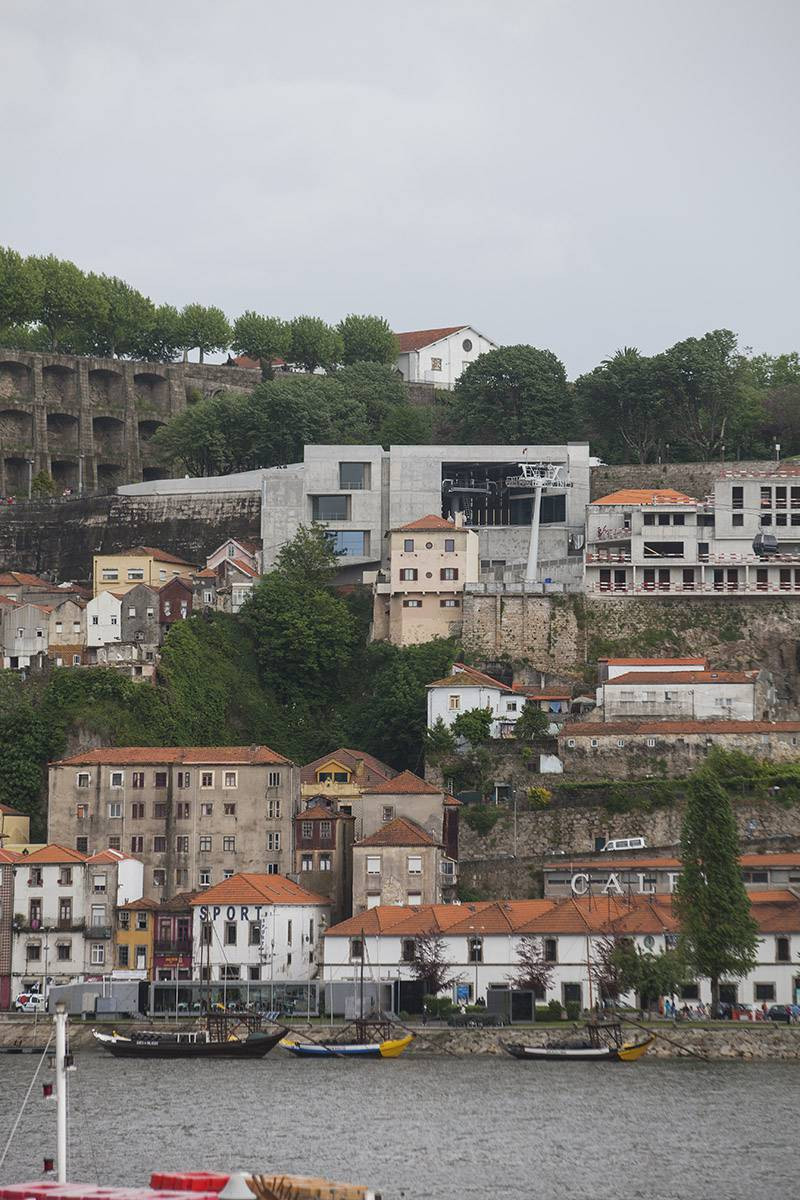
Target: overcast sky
{"points": [[577, 174]]}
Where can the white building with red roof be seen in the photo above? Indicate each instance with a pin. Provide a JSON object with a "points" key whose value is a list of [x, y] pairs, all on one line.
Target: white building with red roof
{"points": [[439, 356]]}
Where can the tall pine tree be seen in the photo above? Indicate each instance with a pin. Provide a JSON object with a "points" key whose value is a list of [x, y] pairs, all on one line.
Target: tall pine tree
{"points": [[719, 935]]}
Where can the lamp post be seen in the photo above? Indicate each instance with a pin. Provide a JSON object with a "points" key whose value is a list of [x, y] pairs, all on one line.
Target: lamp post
{"points": [[80, 474], [29, 461]]}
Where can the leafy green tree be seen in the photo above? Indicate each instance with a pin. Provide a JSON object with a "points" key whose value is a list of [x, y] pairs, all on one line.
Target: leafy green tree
{"points": [[515, 394], [718, 934], [70, 304], [649, 975], [308, 559], [367, 339], [314, 344], [430, 964], [439, 742], [262, 338], [204, 327], [127, 316], [406, 425], [25, 337], [27, 741], [212, 437], [532, 971], [377, 388], [622, 407], [295, 410], [474, 725], [42, 485], [531, 723], [161, 338], [20, 289]]}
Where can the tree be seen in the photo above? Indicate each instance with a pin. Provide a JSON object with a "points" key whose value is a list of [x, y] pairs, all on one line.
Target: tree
{"points": [[474, 725], [264, 338], [120, 325], [161, 339], [204, 327], [20, 288], [430, 964], [42, 485], [295, 410], [515, 394], [605, 968], [649, 975], [406, 425], [622, 408], [308, 558], [533, 972], [211, 437], [377, 388], [439, 742], [70, 303], [531, 722], [314, 344], [367, 339], [718, 934]]}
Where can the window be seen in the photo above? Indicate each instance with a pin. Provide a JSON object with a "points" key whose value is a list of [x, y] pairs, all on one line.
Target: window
{"points": [[131, 611], [159, 812], [83, 779], [306, 830], [205, 844], [330, 508], [621, 743], [273, 841], [206, 810], [255, 933], [98, 954], [227, 873], [354, 476], [436, 364], [373, 864], [349, 543], [356, 948], [324, 862], [137, 844], [414, 898], [167, 608], [475, 949], [183, 810], [114, 843], [274, 809], [182, 843], [137, 779], [387, 812], [408, 545], [306, 862], [449, 545], [229, 844], [230, 933], [113, 620], [272, 868], [98, 884], [550, 950], [408, 574], [454, 703], [782, 950], [109, 575], [651, 742], [274, 779], [137, 811], [449, 604], [82, 845], [159, 877], [95, 620], [325, 831], [204, 878], [33, 951], [415, 864], [160, 779], [159, 845], [230, 779], [408, 950], [123, 957], [412, 604], [117, 779], [98, 915], [737, 520], [206, 779], [229, 810], [115, 809], [448, 573], [82, 812], [208, 597], [764, 991], [184, 779]]}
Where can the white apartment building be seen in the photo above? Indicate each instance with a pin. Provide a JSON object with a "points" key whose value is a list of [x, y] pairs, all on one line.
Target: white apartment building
{"points": [[439, 356], [258, 928], [743, 539], [464, 689], [103, 619], [24, 633], [685, 695]]}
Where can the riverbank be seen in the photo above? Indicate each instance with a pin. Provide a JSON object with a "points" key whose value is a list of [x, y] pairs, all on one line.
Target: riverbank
{"points": [[715, 1040]]}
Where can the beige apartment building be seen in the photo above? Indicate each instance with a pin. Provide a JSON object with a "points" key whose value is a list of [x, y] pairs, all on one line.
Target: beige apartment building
{"points": [[401, 864], [193, 815], [143, 564], [420, 595]]}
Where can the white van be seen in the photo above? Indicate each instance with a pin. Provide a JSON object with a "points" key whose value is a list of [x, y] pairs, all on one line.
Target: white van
{"points": [[637, 843]]}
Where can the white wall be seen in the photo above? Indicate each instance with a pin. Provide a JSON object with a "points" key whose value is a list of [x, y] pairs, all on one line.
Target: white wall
{"points": [[108, 627], [282, 952], [416, 365], [473, 696], [685, 701]]}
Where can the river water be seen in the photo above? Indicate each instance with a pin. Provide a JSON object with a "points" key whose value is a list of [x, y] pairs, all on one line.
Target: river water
{"points": [[444, 1128]]}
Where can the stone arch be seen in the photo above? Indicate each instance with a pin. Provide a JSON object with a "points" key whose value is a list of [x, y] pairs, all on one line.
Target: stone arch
{"points": [[62, 433], [148, 428], [109, 475], [16, 469], [59, 385], [64, 473], [152, 392], [105, 388], [16, 429], [16, 380], [109, 439]]}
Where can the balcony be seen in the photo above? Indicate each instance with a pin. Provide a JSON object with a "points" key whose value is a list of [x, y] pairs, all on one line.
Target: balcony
{"points": [[173, 946], [621, 533], [99, 932]]}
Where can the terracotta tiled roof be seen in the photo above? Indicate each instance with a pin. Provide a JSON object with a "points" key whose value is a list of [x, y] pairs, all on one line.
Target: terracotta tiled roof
{"points": [[9, 602], [402, 920], [139, 904], [252, 364], [399, 832], [665, 728], [375, 771], [181, 902], [404, 784], [244, 567], [431, 522], [55, 854], [8, 811], [206, 573], [23, 579], [646, 496], [318, 812], [700, 663], [11, 856], [533, 694], [418, 338], [111, 856], [248, 888], [468, 677], [604, 862], [158, 555], [451, 802], [198, 755], [632, 677]]}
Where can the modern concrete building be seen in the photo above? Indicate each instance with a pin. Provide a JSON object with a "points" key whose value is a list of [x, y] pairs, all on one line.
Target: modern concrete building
{"points": [[439, 356], [193, 815], [636, 874]]}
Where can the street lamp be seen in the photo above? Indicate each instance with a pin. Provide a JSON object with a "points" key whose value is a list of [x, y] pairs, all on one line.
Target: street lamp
{"points": [[29, 461]]}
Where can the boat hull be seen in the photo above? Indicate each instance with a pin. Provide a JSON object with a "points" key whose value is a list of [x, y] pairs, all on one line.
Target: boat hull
{"points": [[253, 1046], [392, 1048], [628, 1052]]}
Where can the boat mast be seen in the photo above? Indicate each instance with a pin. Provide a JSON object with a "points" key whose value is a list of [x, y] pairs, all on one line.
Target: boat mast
{"points": [[60, 1021]]}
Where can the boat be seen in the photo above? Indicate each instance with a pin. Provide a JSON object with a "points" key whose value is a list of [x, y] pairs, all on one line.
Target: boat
{"points": [[225, 1036], [388, 1048], [603, 1044]]}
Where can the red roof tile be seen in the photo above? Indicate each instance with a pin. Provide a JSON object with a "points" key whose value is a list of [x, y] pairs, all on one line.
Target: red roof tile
{"points": [[24, 579], [244, 567], [700, 663], [416, 339], [158, 555], [399, 832], [404, 784], [470, 677], [431, 522], [8, 811], [318, 812], [630, 677], [111, 857], [139, 904], [156, 755], [56, 854], [646, 496], [248, 888], [374, 769], [10, 856]]}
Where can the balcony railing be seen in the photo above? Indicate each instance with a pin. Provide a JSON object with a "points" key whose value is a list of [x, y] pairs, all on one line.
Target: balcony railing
{"points": [[752, 588], [173, 946], [99, 932]]}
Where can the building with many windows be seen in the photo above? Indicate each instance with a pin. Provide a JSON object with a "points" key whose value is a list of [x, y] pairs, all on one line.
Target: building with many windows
{"points": [[401, 863], [192, 815], [142, 564], [323, 853]]}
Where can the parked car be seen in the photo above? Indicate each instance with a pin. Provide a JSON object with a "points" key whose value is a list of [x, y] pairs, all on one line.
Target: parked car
{"points": [[779, 1012], [30, 1002]]}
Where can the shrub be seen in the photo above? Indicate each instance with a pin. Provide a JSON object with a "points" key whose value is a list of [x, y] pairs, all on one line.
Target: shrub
{"points": [[482, 818], [573, 1010], [555, 1010]]}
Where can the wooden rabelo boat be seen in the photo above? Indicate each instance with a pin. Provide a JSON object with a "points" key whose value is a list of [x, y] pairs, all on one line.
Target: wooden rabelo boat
{"points": [[603, 1043], [361, 1039], [227, 1035]]}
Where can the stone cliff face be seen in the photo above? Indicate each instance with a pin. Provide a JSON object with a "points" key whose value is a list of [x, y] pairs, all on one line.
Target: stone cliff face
{"points": [[60, 537]]}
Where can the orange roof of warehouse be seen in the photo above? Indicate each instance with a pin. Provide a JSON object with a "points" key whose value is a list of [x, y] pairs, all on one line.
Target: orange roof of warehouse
{"points": [[701, 663], [157, 755], [248, 888], [646, 496]]}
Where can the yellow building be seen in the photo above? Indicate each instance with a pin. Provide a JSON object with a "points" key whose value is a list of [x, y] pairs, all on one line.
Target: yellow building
{"points": [[420, 596], [340, 778], [134, 936], [143, 564], [15, 828]]}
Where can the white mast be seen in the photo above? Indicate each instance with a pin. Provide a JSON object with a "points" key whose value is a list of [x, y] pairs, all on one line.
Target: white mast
{"points": [[61, 1091]]}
